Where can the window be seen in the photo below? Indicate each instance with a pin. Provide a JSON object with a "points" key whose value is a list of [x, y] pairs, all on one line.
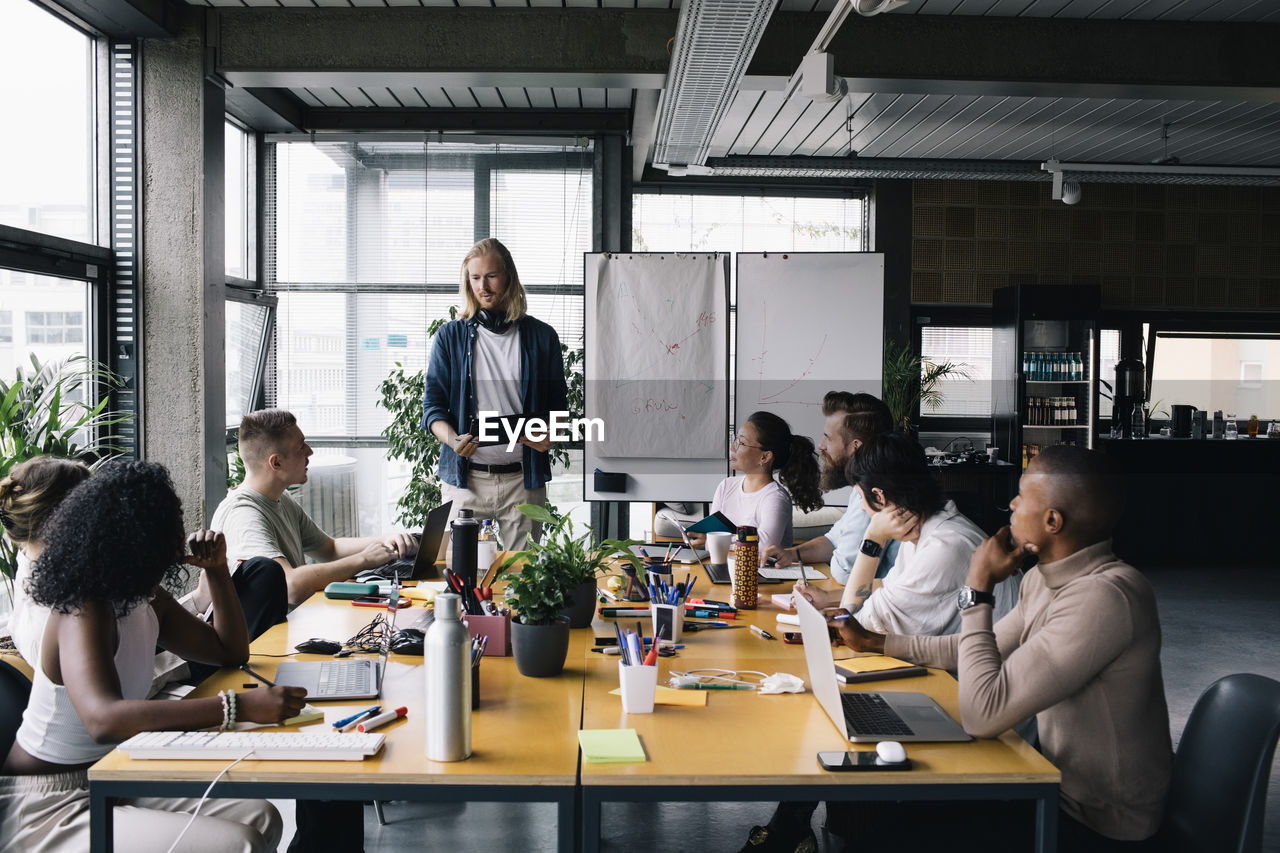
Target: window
{"points": [[970, 348], [1234, 373], [238, 177], [46, 170], [369, 238], [40, 316], [1108, 355], [248, 323], [55, 327]]}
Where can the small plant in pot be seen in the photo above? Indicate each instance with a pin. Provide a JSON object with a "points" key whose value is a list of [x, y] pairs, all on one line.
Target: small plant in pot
{"points": [[555, 588]]}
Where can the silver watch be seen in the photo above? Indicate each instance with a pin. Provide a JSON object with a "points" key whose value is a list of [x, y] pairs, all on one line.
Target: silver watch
{"points": [[970, 597]]}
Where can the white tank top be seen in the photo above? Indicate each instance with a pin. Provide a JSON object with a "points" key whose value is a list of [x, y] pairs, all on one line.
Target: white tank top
{"points": [[51, 729]]}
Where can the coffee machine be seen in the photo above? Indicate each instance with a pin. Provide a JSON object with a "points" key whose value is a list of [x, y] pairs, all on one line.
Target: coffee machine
{"points": [[1130, 391]]}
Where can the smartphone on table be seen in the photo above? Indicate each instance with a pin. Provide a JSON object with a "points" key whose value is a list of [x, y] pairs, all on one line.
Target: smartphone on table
{"points": [[858, 761]]}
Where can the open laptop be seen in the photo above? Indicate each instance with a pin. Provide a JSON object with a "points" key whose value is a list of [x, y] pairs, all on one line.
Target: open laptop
{"points": [[423, 565], [863, 716], [346, 678]]}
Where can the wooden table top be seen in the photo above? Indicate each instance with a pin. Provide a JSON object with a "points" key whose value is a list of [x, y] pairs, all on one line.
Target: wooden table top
{"points": [[524, 732]]}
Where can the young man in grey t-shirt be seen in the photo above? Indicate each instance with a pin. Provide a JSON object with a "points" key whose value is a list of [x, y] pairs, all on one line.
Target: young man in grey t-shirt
{"points": [[260, 520]]}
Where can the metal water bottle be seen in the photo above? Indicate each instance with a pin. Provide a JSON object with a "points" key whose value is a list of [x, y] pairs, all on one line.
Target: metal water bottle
{"points": [[446, 661], [466, 533]]}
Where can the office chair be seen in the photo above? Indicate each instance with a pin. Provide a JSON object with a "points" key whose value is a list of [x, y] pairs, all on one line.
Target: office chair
{"points": [[15, 689], [1218, 795]]}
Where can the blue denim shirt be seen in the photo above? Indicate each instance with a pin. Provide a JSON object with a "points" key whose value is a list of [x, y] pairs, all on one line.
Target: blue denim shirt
{"points": [[846, 535], [449, 393]]}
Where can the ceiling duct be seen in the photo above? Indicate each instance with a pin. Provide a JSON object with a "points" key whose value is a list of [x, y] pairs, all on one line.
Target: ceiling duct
{"points": [[988, 170], [715, 40]]}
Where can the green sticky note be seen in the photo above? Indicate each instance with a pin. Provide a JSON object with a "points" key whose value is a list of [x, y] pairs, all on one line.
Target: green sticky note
{"points": [[309, 714], [617, 746]]}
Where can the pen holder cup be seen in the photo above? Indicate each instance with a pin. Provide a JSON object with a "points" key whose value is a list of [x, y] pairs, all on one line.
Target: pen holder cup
{"points": [[668, 621], [635, 590], [475, 685], [639, 686], [496, 628], [659, 570]]}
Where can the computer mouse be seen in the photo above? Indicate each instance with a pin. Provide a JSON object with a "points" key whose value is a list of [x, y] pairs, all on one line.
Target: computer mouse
{"points": [[317, 646], [891, 752]]}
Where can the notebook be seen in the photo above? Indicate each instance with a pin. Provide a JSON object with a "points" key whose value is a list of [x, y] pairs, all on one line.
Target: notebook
{"points": [[345, 678], [868, 716], [423, 565]]}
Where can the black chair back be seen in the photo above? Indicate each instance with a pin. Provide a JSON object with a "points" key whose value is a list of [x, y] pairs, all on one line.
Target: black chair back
{"points": [[15, 690], [1218, 795]]}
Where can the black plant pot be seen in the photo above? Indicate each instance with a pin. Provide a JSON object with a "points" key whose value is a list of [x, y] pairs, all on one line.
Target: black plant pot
{"points": [[582, 605], [540, 650]]}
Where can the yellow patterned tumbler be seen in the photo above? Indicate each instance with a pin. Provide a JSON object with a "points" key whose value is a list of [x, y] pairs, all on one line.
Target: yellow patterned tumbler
{"points": [[746, 568]]}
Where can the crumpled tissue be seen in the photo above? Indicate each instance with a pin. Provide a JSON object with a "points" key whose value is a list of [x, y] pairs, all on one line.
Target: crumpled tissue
{"points": [[782, 682]]}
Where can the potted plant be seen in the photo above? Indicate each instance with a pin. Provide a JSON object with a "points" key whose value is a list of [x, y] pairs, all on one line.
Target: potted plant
{"points": [[554, 589], [910, 379], [43, 413]]}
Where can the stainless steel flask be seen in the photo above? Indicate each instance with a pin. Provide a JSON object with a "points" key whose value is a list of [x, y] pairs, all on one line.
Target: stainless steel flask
{"points": [[446, 659]]}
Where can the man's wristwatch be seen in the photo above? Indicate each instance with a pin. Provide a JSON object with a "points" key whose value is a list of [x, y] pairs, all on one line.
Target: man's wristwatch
{"points": [[970, 597], [871, 548]]}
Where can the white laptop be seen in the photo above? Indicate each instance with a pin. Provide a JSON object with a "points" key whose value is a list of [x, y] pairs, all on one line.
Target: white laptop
{"points": [[345, 678], [863, 716]]}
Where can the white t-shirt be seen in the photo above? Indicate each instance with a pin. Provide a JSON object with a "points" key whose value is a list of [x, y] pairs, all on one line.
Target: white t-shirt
{"points": [[919, 595], [258, 527], [496, 368], [29, 618], [768, 510]]}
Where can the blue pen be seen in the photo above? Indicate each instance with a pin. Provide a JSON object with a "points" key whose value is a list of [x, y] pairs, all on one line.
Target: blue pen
{"points": [[688, 587], [340, 723]]}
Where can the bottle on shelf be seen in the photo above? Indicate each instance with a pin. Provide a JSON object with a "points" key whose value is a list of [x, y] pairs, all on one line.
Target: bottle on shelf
{"points": [[1138, 422], [1253, 426]]}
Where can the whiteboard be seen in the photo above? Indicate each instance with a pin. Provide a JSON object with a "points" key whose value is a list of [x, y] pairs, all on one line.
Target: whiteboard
{"points": [[657, 365], [807, 323]]}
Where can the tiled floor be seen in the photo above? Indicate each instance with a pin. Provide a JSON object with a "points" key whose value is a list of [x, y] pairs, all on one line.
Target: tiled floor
{"points": [[1215, 622]]}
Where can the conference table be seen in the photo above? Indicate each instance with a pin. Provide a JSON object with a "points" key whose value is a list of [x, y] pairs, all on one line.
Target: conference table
{"points": [[742, 746]]}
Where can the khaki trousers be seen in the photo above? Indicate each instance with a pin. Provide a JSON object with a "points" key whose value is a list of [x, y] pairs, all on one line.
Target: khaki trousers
{"points": [[51, 813]]}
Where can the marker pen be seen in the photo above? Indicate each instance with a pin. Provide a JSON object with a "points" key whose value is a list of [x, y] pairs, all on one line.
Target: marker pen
{"points": [[381, 720], [756, 629]]}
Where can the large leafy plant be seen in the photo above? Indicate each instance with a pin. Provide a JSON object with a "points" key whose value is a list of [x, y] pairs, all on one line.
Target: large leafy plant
{"points": [[44, 412], [555, 565], [910, 379]]}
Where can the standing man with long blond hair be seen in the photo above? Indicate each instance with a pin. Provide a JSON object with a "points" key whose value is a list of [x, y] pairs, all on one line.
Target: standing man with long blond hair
{"points": [[498, 359]]}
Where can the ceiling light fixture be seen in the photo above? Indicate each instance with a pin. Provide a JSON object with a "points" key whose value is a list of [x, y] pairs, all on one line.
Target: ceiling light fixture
{"points": [[1141, 173], [867, 8]]}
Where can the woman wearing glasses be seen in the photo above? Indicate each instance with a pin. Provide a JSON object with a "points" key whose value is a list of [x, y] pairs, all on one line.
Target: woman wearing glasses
{"points": [[763, 446]]}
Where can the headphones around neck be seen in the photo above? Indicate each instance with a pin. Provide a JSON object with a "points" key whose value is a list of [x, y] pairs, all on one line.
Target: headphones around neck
{"points": [[494, 321]]}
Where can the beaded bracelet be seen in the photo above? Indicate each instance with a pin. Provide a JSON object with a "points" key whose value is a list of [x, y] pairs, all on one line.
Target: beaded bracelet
{"points": [[231, 695], [226, 708]]}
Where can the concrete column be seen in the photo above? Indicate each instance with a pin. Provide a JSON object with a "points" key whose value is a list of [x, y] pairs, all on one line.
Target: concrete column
{"points": [[182, 267]]}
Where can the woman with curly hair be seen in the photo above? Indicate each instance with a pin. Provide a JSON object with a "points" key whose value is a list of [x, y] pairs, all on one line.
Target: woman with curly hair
{"points": [[28, 496], [108, 548], [763, 446]]}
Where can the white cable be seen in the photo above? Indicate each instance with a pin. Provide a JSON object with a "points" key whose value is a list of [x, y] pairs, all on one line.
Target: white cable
{"points": [[204, 797]]}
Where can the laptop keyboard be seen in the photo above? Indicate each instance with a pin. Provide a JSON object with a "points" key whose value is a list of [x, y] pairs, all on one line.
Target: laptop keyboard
{"points": [[869, 714], [343, 676]]}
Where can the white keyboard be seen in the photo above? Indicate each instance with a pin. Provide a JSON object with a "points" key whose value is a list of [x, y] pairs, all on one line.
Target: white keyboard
{"points": [[257, 746]]}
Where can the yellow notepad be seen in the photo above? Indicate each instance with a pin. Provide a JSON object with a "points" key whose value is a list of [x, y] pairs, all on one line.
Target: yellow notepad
{"points": [[308, 714], [873, 663], [616, 746], [671, 696]]}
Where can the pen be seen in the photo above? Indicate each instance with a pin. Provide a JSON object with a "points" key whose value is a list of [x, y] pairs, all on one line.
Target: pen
{"points": [[756, 629], [261, 678], [355, 719], [840, 617], [702, 686], [714, 614], [381, 720]]}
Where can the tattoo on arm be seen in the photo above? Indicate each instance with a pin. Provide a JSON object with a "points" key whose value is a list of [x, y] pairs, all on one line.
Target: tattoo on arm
{"points": [[860, 596]]}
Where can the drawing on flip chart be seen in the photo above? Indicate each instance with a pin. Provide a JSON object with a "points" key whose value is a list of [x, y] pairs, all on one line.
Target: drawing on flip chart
{"points": [[658, 362]]}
